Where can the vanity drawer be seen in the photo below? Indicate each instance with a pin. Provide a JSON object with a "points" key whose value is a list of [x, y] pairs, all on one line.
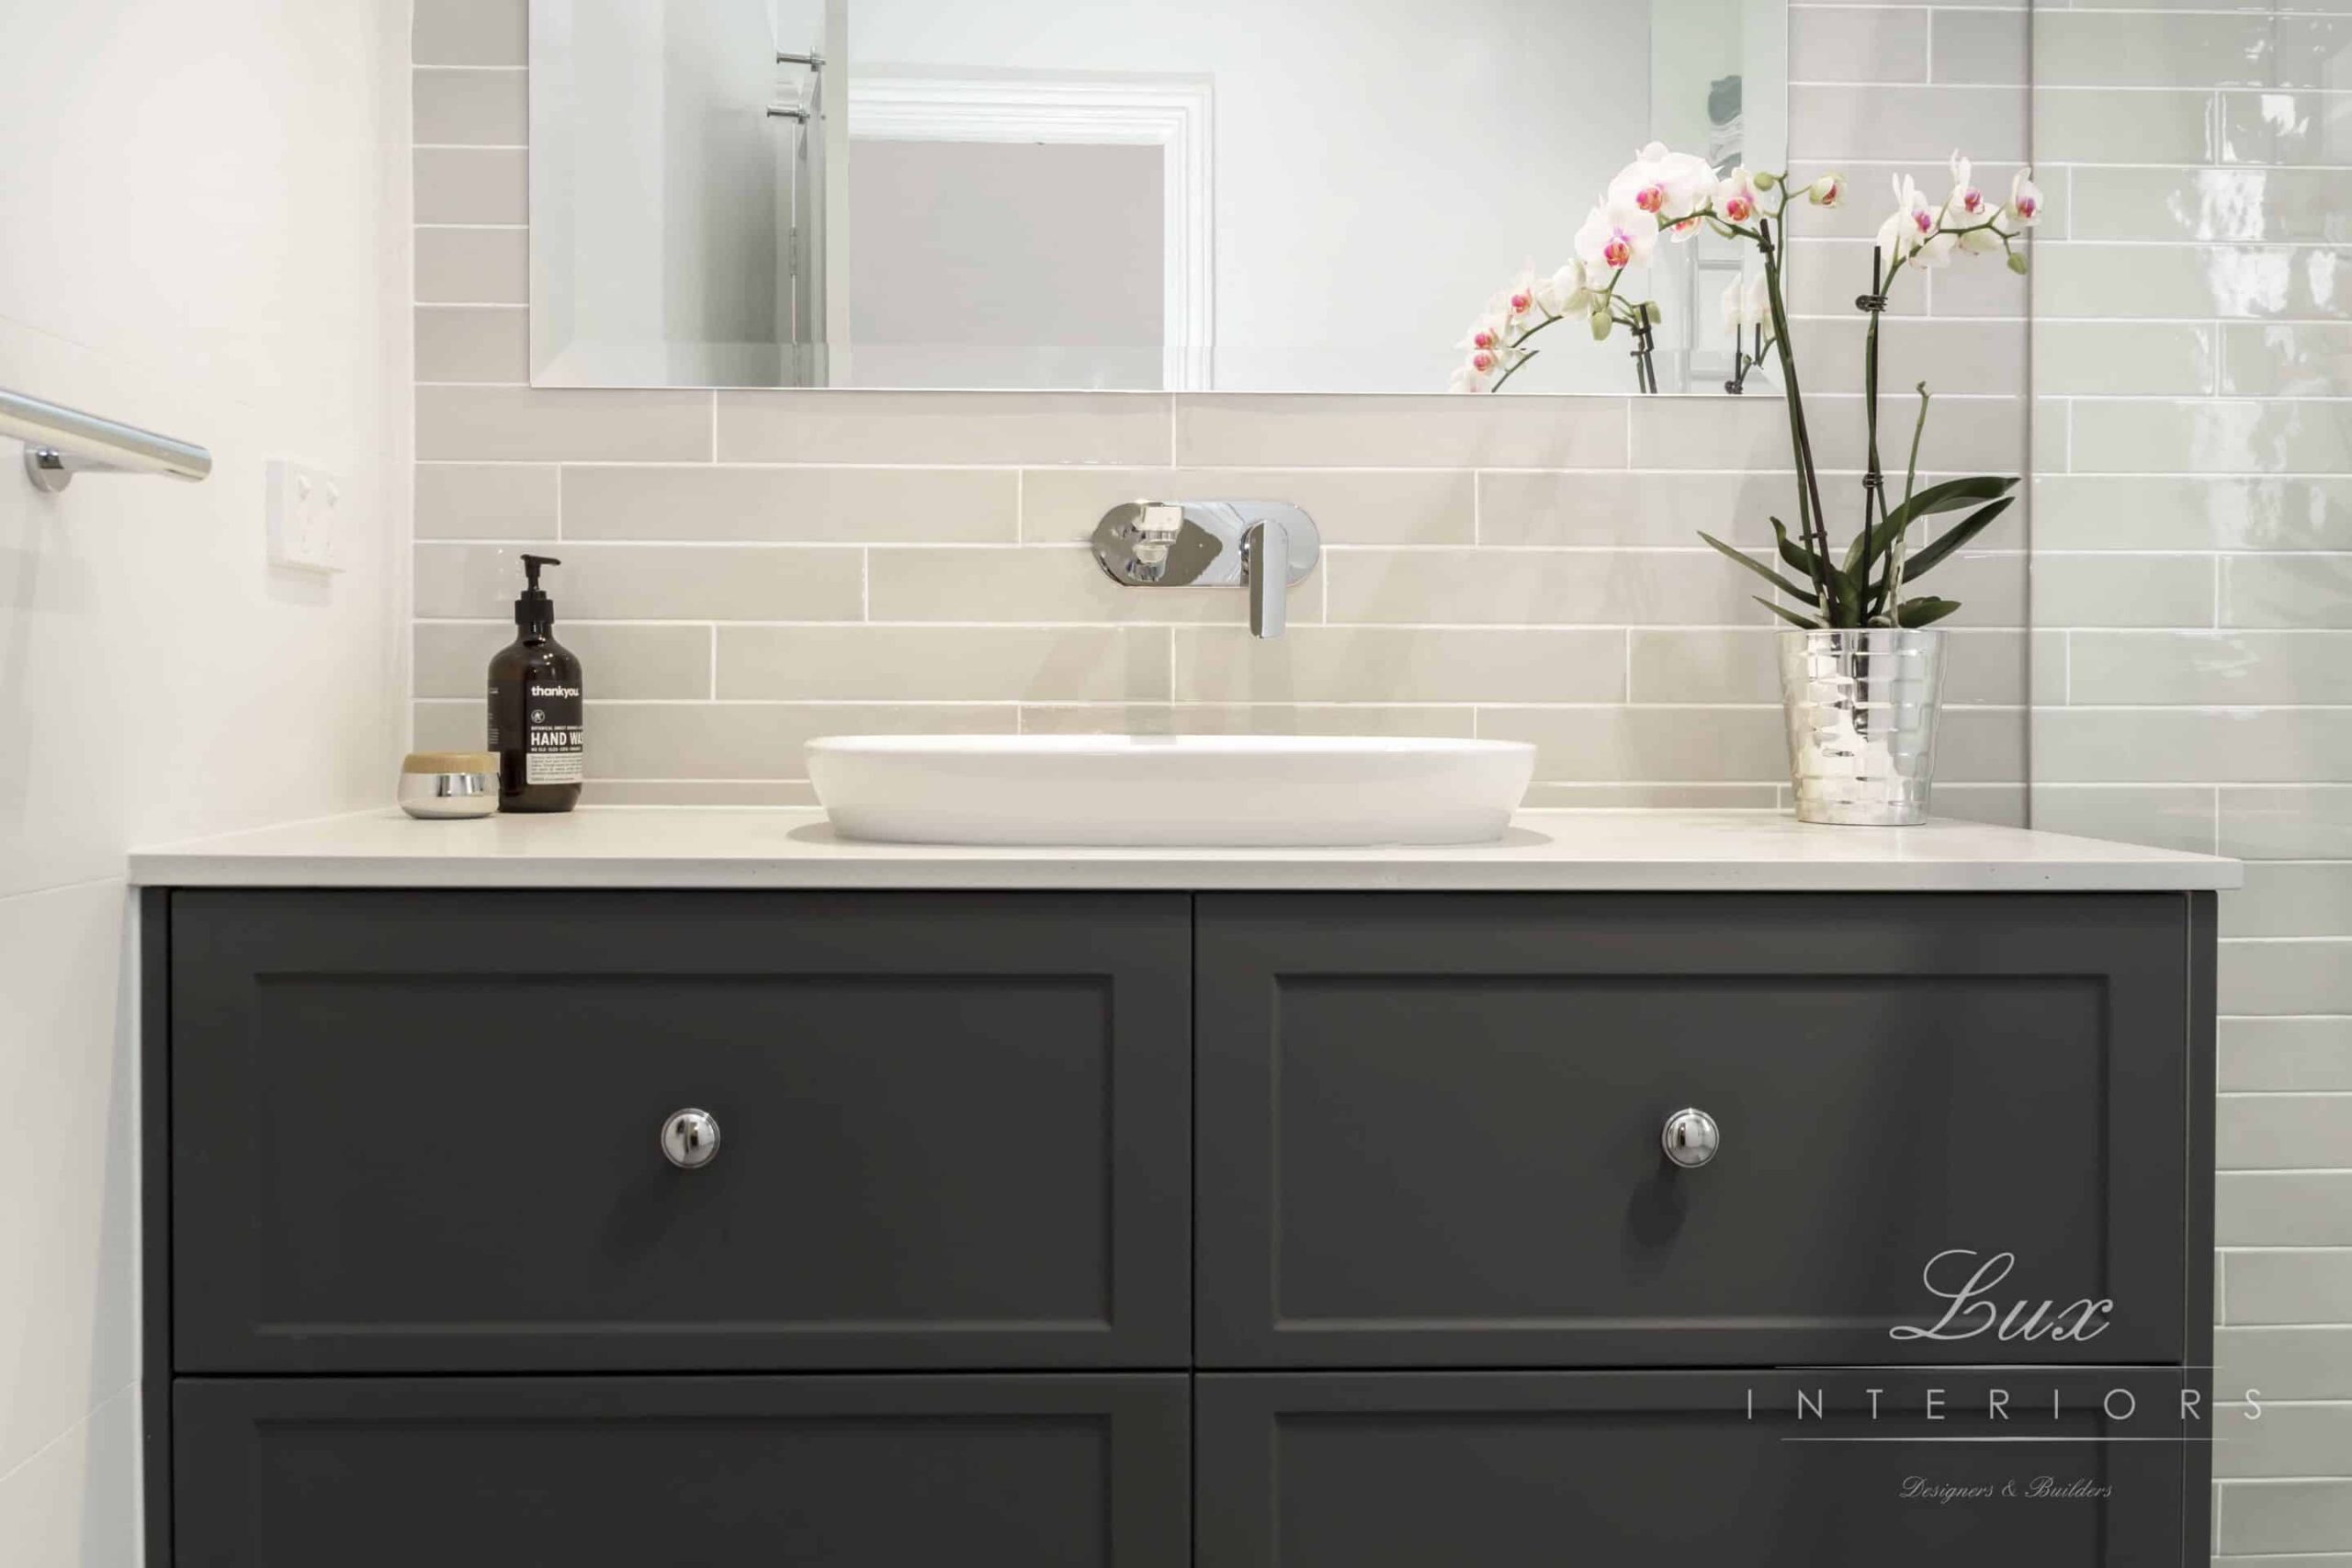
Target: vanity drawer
{"points": [[421, 1132], [1429, 1127], [1434, 1469], [1045, 1471]]}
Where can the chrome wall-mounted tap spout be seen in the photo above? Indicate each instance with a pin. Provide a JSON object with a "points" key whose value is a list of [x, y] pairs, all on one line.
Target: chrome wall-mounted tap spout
{"points": [[1263, 545]]}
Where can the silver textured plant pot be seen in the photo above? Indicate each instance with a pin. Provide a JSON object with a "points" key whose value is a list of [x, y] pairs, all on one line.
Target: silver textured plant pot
{"points": [[1862, 711]]}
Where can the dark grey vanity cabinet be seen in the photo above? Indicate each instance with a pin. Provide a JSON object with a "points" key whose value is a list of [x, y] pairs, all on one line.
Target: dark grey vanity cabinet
{"points": [[1141, 1229]]}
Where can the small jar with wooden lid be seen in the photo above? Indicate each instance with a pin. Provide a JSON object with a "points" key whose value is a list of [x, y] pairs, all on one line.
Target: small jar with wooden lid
{"points": [[440, 786]]}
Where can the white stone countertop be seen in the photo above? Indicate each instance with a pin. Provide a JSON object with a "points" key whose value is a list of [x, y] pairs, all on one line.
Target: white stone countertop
{"points": [[1557, 850]]}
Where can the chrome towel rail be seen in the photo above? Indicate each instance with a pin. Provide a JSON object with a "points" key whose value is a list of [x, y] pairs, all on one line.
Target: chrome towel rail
{"points": [[62, 442]]}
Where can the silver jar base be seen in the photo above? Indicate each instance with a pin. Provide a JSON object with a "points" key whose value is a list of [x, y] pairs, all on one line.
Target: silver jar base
{"points": [[1862, 709]]}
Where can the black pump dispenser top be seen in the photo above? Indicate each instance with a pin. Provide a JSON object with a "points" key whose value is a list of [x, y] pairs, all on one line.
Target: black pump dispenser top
{"points": [[534, 611]]}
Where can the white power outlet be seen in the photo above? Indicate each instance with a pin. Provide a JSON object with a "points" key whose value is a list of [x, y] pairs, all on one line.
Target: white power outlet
{"points": [[306, 521]]}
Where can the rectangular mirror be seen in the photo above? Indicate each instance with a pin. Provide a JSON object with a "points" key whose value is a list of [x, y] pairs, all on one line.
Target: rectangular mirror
{"points": [[1244, 196]]}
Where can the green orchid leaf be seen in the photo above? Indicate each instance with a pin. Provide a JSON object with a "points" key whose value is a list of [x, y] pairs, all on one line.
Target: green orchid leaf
{"points": [[1794, 554], [1807, 622], [1975, 523], [1760, 570], [1948, 496], [1923, 611]]}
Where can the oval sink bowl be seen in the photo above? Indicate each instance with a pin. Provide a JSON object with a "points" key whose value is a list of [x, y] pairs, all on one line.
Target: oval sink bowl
{"points": [[1144, 790]]}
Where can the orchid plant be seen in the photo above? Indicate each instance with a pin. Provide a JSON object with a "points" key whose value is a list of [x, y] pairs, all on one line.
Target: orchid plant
{"points": [[1676, 195]]}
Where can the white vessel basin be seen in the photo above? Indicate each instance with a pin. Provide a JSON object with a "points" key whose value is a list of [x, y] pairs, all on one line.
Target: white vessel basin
{"points": [[1244, 790]]}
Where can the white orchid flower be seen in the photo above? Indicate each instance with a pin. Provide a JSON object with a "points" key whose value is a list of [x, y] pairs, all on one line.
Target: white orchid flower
{"points": [[2024, 209], [1747, 303], [1519, 305], [1484, 368], [1616, 236], [1826, 191], [1564, 292], [1966, 204], [1915, 230], [1666, 184], [1735, 197], [1490, 333]]}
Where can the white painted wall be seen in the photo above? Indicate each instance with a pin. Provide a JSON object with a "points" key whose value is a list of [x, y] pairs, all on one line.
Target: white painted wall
{"points": [[205, 222]]}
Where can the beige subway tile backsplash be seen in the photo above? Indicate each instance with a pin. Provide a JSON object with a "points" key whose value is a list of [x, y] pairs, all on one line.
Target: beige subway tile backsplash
{"points": [[942, 428], [470, 32], [1648, 507], [2113, 589], [697, 582], [2289, 591], [876, 505], [1380, 506], [471, 107], [2207, 668], [485, 501], [622, 661], [483, 423], [473, 342], [1982, 46], [2286, 1055], [2298, 1208], [1860, 44], [1502, 432], [1043, 584], [1400, 664], [754, 741], [472, 185], [1831, 123], [473, 267], [1456, 587], [877, 663], [1669, 745]]}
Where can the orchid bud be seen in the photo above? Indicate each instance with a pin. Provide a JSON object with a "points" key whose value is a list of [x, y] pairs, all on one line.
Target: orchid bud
{"points": [[1601, 325], [1826, 191]]}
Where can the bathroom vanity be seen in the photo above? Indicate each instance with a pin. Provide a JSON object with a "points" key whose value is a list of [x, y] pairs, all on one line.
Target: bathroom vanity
{"points": [[669, 1187]]}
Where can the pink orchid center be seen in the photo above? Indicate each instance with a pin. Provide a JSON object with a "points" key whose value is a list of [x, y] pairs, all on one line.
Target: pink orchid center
{"points": [[1618, 249], [1521, 302], [1740, 209], [2027, 206], [1971, 200], [1923, 221], [1650, 198], [1483, 340], [1482, 361]]}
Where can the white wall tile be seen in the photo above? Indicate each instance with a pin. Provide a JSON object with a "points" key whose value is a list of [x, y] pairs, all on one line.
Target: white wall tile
{"points": [[2290, 590], [2118, 590], [2284, 1132], [2176, 513], [2207, 668], [2288, 822], [1454, 587]]}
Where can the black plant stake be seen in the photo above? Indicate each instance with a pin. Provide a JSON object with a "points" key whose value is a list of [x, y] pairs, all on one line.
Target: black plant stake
{"points": [[1645, 372]]}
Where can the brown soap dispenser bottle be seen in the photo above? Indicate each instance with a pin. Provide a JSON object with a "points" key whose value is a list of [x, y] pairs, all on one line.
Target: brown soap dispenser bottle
{"points": [[535, 710]]}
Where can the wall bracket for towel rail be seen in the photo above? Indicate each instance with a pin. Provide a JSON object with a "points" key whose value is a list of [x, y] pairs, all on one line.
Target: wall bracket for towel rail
{"points": [[62, 442]]}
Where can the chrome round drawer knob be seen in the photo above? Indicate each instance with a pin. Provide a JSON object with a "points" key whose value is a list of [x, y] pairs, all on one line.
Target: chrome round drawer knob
{"points": [[690, 1139], [1691, 1138]]}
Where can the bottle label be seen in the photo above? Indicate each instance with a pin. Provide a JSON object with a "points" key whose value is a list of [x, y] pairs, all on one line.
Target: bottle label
{"points": [[555, 750]]}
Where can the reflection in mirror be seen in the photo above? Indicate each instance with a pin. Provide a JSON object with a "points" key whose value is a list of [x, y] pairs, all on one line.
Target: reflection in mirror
{"points": [[1209, 195]]}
